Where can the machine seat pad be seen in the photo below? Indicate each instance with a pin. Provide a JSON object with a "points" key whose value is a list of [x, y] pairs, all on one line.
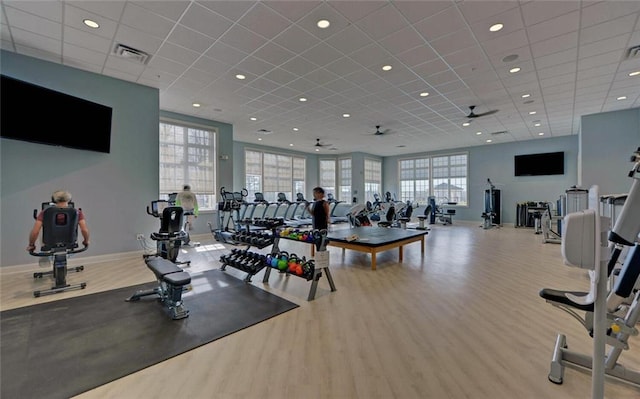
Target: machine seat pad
{"points": [[404, 219], [161, 267], [559, 296], [177, 279]]}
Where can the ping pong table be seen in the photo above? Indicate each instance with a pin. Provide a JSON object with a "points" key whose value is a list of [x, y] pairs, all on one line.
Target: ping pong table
{"points": [[376, 239]]}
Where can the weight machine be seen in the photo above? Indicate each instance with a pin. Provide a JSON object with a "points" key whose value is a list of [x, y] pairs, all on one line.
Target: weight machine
{"points": [[610, 316], [171, 234], [492, 207]]}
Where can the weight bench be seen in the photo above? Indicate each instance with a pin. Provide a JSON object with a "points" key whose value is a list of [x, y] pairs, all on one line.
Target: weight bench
{"points": [[171, 282]]}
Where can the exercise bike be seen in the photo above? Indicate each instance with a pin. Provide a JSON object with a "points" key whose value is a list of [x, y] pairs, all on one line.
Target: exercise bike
{"points": [[59, 238]]}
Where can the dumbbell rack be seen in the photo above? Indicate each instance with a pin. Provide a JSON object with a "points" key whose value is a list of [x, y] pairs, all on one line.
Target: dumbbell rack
{"points": [[252, 262], [321, 264]]}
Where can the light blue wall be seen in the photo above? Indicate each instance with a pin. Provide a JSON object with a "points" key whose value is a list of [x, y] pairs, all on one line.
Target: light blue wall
{"points": [[495, 162], [607, 141], [112, 189]]}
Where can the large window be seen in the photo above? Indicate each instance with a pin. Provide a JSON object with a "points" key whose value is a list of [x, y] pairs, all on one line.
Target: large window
{"points": [[271, 174], [372, 179], [344, 179], [444, 177], [328, 176], [188, 156], [335, 178]]}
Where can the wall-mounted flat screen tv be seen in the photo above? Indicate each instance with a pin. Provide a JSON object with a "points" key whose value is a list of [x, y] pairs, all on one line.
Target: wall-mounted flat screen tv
{"points": [[550, 163], [40, 115]]}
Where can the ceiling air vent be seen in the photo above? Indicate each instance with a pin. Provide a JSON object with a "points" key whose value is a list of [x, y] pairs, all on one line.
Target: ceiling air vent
{"points": [[131, 54], [633, 52], [264, 131]]}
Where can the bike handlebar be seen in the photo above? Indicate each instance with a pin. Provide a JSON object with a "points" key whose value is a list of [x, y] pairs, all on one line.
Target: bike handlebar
{"points": [[52, 252]]}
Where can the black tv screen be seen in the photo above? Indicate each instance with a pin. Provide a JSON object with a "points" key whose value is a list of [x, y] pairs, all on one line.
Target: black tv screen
{"points": [[550, 163], [40, 115]]}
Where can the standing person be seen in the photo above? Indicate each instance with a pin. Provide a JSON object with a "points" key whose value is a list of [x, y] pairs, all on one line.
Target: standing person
{"points": [[320, 210], [61, 199], [188, 201]]}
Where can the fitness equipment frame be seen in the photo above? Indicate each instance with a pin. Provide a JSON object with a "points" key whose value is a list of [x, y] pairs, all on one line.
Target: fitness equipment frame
{"points": [[59, 238], [492, 215], [610, 317], [171, 234], [230, 205]]}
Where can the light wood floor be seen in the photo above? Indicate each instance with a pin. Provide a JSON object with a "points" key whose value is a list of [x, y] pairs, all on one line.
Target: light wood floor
{"points": [[464, 321]]}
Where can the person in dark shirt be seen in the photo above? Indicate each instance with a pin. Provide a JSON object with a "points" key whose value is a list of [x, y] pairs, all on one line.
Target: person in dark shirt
{"points": [[320, 210]]}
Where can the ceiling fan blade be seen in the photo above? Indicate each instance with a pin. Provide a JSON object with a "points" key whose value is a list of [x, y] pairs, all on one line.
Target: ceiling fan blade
{"points": [[493, 111]]}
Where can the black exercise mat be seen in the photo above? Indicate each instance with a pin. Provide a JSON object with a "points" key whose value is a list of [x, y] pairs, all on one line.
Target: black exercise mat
{"points": [[63, 348]]}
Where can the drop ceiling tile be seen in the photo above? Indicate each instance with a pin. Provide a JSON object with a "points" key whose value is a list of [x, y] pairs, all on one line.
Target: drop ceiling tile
{"points": [[166, 8], [417, 55], [137, 39], [232, 10], [441, 24], [608, 29], [32, 43], [470, 55], [189, 38], [607, 10], [292, 10], [322, 54], [321, 76], [505, 43], [430, 68], [211, 66], [87, 40], [604, 46], [561, 57], [178, 54], [610, 58], [206, 22], [127, 66], [535, 12], [323, 11], [296, 39], [370, 56], [298, 66], [108, 9], [555, 70], [356, 10], [393, 21], [35, 24], [279, 75], [273, 54], [263, 21], [225, 54], [554, 27], [146, 21], [84, 54], [402, 40], [555, 44], [45, 9]]}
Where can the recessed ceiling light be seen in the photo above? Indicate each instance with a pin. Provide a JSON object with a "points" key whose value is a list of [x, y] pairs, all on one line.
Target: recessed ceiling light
{"points": [[621, 98], [514, 70], [478, 133], [466, 124], [91, 24], [302, 99], [424, 94], [387, 68], [536, 124], [317, 149], [259, 138], [526, 95], [489, 140], [532, 112], [636, 73], [323, 24], [496, 27], [541, 134], [240, 77], [290, 144], [196, 105], [346, 115], [295, 129], [253, 118]]}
